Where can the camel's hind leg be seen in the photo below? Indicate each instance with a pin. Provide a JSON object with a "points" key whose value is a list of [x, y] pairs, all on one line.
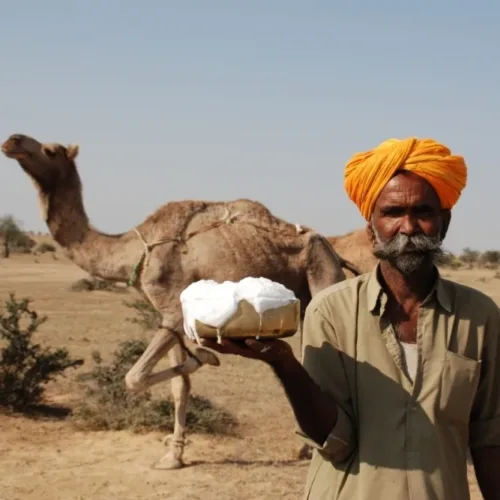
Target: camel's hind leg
{"points": [[139, 378], [181, 387]]}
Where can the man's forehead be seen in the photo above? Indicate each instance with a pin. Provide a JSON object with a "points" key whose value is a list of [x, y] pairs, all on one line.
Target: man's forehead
{"points": [[407, 187]]}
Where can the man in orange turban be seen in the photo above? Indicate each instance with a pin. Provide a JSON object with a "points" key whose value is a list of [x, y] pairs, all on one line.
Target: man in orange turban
{"points": [[372, 176], [399, 375], [367, 173]]}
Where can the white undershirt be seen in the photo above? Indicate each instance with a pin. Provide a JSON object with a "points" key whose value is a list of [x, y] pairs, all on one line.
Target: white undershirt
{"points": [[410, 358]]}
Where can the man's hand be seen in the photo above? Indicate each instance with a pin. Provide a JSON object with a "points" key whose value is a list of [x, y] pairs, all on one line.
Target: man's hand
{"points": [[270, 351]]}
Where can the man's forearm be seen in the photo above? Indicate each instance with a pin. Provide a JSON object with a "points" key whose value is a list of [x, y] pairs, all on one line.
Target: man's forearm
{"points": [[487, 467], [315, 411]]}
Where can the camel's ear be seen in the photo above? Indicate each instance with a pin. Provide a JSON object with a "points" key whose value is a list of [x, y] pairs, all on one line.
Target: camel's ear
{"points": [[48, 150], [72, 151]]}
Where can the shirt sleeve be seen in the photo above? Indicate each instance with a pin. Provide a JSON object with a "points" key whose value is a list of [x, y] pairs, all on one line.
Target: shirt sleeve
{"points": [[485, 415], [322, 359]]}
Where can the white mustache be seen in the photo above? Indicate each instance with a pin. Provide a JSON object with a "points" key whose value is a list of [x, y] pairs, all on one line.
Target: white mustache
{"points": [[402, 244]]}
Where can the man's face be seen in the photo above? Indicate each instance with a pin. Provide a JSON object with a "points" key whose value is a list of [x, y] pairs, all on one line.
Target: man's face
{"points": [[408, 225]]}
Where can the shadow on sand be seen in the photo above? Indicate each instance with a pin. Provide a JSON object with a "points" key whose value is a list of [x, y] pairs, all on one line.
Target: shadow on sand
{"points": [[41, 412], [249, 463]]}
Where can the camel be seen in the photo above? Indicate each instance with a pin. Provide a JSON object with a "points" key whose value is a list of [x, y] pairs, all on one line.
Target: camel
{"points": [[357, 247], [180, 243]]}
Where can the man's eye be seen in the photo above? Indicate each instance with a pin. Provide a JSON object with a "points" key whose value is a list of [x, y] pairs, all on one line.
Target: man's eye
{"points": [[393, 212], [424, 212]]}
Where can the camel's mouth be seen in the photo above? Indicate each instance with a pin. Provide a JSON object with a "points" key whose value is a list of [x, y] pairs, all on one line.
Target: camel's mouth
{"points": [[11, 150]]}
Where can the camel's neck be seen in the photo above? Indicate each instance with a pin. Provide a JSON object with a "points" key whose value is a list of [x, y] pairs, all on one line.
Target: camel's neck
{"points": [[110, 257]]}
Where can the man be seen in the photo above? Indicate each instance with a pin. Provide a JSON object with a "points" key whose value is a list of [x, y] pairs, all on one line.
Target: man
{"points": [[401, 368]]}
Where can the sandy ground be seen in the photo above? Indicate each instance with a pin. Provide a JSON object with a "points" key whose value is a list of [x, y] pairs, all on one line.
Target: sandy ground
{"points": [[49, 460]]}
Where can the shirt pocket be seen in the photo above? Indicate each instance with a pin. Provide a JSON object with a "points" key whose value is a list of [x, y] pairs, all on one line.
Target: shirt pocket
{"points": [[458, 386]]}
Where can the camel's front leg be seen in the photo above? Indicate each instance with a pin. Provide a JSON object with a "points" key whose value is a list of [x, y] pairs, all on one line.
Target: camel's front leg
{"points": [[139, 378], [181, 388]]}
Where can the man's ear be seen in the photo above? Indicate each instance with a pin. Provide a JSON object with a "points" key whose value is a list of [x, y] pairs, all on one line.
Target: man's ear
{"points": [[446, 216], [369, 231]]}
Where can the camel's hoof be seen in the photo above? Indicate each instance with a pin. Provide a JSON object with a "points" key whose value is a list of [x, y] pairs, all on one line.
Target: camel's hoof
{"points": [[168, 462], [206, 357]]}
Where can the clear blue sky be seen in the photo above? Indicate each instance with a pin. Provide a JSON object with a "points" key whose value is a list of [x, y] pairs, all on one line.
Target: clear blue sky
{"points": [[260, 99]]}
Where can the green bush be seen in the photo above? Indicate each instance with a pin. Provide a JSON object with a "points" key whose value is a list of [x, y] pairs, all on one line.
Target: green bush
{"points": [[26, 367], [108, 405], [45, 248], [13, 238], [449, 261], [490, 258], [94, 284], [469, 256], [146, 315]]}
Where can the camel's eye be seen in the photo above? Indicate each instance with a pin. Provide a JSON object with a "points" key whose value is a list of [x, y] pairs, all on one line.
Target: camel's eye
{"points": [[50, 152]]}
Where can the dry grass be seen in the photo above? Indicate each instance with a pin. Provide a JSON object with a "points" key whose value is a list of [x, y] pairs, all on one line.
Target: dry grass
{"points": [[50, 460]]}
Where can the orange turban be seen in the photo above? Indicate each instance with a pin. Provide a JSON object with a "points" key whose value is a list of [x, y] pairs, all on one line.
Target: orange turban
{"points": [[366, 174]]}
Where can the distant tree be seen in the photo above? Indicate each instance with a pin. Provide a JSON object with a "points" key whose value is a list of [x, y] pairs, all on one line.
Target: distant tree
{"points": [[447, 259], [9, 230], [469, 256], [13, 236], [490, 257]]}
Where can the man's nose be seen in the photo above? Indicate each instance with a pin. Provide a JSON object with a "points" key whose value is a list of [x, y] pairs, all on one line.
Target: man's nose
{"points": [[409, 225]]}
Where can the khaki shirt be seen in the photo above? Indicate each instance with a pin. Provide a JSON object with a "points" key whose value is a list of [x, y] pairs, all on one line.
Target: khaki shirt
{"points": [[395, 439]]}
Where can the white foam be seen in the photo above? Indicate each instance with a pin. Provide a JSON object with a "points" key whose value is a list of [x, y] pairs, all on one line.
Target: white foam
{"points": [[214, 303]]}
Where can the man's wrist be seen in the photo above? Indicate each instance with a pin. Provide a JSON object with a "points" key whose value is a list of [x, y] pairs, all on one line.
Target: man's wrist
{"points": [[286, 365]]}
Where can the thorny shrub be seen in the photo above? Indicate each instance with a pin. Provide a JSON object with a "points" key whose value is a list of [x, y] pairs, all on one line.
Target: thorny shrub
{"points": [[108, 405], [25, 366], [448, 260], [45, 247], [146, 315], [490, 258], [13, 237], [94, 284]]}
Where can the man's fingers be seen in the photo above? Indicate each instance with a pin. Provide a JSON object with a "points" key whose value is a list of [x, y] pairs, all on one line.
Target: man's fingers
{"points": [[224, 347], [249, 348], [257, 345]]}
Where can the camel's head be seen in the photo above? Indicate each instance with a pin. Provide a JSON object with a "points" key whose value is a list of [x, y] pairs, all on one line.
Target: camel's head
{"points": [[49, 165]]}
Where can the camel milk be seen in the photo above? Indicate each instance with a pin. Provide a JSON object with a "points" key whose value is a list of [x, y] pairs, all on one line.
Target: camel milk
{"points": [[214, 303]]}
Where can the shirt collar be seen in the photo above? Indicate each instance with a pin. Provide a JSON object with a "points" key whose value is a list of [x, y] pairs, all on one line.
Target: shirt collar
{"points": [[377, 296]]}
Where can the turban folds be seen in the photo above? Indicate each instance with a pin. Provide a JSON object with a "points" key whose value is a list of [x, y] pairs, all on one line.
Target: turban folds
{"points": [[367, 173]]}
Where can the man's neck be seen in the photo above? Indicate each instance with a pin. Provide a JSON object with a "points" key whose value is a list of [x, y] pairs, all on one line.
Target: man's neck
{"points": [[410, 289]]}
